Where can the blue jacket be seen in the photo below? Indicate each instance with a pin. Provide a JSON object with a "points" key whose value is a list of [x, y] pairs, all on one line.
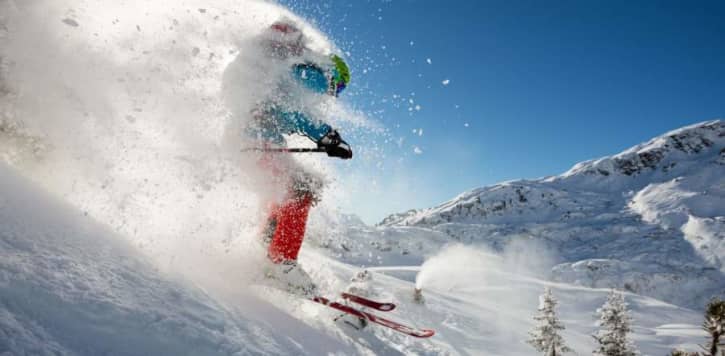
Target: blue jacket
{"points": [[277, 121]]}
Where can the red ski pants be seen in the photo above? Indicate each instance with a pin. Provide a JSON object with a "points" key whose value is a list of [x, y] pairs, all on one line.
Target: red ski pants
{"points": [[290, 220], [287, 221]]}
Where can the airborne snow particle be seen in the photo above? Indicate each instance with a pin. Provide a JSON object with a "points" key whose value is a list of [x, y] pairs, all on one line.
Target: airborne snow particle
{"points": [[446, 82], [70, 22], [195, 51], [202, 11], [417, 150], [429, 61]]}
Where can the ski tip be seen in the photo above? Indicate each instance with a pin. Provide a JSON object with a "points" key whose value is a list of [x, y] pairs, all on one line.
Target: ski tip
{"points": [[425, 333], [387, 307]]}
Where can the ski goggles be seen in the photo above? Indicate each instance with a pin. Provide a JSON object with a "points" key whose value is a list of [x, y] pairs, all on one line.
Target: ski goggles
{"points": [[340, 76]]}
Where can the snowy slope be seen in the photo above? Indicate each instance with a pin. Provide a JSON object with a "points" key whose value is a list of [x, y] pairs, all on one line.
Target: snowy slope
{"points": [[648, 220], [480, 307], [68, 286], [481, 301]]}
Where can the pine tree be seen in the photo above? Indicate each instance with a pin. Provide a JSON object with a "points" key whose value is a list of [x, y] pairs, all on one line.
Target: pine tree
{"points": [[545, 337], [614, 323], [714, 324]]}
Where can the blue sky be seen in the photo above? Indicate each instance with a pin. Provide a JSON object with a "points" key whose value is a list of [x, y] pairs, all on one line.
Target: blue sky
{"points": [[535, 87]]}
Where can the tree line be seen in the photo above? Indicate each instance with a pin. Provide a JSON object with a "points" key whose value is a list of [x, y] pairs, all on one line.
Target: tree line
{"points": [[615, 324]]}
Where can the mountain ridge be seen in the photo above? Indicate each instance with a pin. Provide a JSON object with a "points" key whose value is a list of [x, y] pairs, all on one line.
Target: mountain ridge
{"points": [[632, 162]]}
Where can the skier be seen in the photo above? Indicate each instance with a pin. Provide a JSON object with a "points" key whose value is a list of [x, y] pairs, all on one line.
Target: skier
{"points": [[310, 77]]}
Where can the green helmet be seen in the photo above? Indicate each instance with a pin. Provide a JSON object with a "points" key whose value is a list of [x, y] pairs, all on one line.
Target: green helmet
{"points": [[340, 78]]}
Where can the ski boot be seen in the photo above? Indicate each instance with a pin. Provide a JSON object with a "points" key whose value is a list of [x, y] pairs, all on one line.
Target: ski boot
{"points": [[361, 284], [352, 321], [290, 277]]}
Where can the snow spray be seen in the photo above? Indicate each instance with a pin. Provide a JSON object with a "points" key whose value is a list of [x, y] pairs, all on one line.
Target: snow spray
{"points": [[460, 266], [451, 268], [133, 112]]}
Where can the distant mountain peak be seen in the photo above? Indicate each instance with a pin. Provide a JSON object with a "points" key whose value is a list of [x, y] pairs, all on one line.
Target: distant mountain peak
{"points": [[661, 152], [676, 153]]}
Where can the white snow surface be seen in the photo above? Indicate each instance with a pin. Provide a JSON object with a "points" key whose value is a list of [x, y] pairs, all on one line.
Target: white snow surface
{"points": [[129, 220], [70, 286]]}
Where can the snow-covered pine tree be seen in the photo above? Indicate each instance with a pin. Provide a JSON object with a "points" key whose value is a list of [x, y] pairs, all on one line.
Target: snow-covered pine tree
{"points": [[615, 324], [714, 324], [545, 336]]}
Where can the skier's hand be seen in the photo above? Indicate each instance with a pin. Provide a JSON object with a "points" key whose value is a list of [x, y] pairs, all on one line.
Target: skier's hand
{"points": [[334, 145]]}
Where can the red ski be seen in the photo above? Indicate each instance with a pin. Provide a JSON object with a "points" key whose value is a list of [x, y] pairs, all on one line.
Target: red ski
{"points": [[386, 307], [421, 333]]}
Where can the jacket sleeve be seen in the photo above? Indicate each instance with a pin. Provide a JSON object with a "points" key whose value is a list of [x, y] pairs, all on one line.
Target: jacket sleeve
{"points": [[298, 122], [278, 120]]}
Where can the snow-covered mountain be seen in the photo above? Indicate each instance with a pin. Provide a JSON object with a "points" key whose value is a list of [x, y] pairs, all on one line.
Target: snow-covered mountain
{"points": [[650, 220]]}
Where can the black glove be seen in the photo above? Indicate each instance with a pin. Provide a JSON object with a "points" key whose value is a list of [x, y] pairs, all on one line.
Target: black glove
{"points": [[334, 145]]}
